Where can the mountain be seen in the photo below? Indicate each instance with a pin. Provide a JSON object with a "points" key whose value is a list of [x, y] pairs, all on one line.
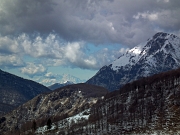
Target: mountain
{"points": [[51, 79], [59, 85], [15, 91], [59, 104], [149, 106], [71, 78], [160, 53]]}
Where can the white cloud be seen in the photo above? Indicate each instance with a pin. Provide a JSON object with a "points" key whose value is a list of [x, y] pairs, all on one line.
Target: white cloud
{"points": [[147, 15], [53, 51], [166, 1], [9, 45], [72, 51], [33, 70], [123, 50], [49, 75], [48, 81], [8, 61]]}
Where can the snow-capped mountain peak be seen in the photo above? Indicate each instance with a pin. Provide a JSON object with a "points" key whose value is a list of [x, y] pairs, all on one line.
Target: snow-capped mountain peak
{"points": [[159, 43], [130, 57], [68, 82], [59, 85], [158, 54]]}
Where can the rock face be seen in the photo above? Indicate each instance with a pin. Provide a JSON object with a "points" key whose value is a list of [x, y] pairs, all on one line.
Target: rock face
{"points": [[15, 91], [160, 53], [60, 103]]}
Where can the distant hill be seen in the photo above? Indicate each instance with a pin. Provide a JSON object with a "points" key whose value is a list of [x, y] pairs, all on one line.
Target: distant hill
{"points": [[60, 103], [15, 91], [158, 54], [60, 85]]}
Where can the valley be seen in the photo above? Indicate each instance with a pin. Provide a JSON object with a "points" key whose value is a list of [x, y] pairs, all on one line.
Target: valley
{"points": [[137, 94]]}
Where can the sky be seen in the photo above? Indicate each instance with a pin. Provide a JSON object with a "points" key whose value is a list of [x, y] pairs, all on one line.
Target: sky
{"points": [[43, 39]]}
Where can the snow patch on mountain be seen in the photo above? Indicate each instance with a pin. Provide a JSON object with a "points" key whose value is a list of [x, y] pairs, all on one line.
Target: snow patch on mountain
{"points": [[63, 123], [131, 57], [158, 54]]}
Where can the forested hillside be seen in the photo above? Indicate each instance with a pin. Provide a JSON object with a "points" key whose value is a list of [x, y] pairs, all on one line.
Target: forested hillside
{"points": [[15, 91], [147, 106]]}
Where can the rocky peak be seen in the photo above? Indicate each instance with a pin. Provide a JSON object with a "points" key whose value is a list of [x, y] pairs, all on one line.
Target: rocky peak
{"points": [[160, 53]]}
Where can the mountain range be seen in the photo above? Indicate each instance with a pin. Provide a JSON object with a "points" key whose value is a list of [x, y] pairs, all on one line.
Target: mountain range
{"points": [[59, 85], [51, 79], [160, 53]]}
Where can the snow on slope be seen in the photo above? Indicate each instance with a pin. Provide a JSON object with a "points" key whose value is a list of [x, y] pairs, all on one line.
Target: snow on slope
{"points": [[63, 123], [158, 54], [132, 56]]}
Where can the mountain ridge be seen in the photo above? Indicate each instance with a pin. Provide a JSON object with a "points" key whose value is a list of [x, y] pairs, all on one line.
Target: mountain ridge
{"points": [[58, 104], [59, 85], [51, 79], [160, 53], [15, 91]]}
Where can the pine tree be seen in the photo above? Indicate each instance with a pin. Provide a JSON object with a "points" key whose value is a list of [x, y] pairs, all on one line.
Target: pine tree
{"points": [[34, 125], [49, 123]]}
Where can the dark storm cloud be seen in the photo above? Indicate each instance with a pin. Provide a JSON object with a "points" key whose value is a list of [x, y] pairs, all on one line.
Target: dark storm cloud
{"points": [[96, 21], [24, 16]]}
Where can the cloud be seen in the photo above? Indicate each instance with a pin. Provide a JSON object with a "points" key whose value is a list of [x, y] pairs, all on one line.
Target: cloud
{"points": [[50, 75], [56, 33], [149, 16], [11, 61], [8, 45], [50, 50], [48, 81], [106, 21], [165, 19], [32, 70]]}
